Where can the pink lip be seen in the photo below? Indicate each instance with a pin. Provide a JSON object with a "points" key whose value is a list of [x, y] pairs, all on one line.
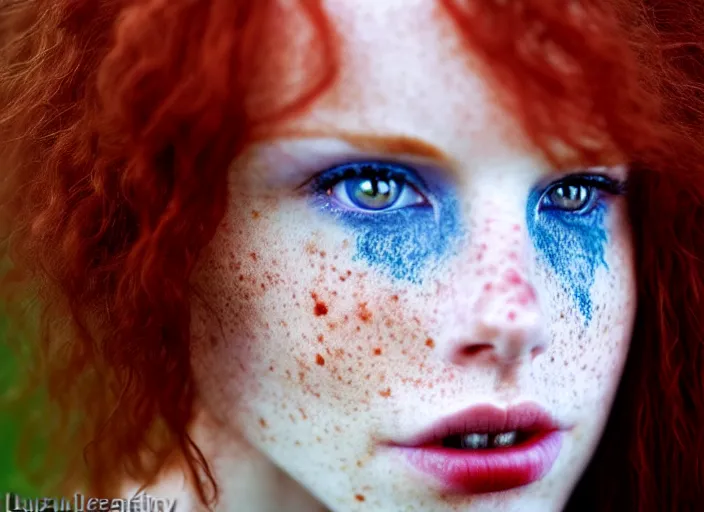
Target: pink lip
{"points": [[488, 470]]}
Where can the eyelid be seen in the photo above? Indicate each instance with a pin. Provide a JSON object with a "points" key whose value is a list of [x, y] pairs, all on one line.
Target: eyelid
{"points": [[321, 182], [408, 173]]}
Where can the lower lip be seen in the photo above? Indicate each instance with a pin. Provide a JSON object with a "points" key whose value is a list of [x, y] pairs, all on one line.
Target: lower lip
{"points": [[493, 470]]}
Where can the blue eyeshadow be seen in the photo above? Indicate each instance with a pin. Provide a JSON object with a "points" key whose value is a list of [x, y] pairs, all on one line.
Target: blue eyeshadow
{"points": [[402, 243], [573, 245]]}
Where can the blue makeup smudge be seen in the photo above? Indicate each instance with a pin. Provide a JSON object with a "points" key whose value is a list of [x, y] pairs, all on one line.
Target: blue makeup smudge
{"points": [[573, 244], [404, 242]]}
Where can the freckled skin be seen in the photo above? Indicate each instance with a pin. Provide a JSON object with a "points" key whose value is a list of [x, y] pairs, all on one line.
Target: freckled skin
{"points": [[333, 336]]}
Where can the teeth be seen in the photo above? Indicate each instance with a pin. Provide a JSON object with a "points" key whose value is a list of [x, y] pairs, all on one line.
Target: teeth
{"points": [[505, 439], [475, 441]]}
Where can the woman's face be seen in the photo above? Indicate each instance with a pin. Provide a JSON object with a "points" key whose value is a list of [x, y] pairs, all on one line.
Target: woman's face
{"points": [[401, 285]]}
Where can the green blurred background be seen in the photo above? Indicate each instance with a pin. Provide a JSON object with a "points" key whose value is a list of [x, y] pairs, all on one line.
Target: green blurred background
{"points": [[11, 479]]}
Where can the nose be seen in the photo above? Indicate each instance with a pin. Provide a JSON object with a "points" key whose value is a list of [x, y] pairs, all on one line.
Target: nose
{"points": [[495, 315], [505, 328]]}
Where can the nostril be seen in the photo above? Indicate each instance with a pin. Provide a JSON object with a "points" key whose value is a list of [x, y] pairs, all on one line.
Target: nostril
{"points": [[536, 351], [475, 349]]}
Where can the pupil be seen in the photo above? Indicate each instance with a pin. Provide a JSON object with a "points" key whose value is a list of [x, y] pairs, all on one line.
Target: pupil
{"points": [[372, 193], [570, 197]]}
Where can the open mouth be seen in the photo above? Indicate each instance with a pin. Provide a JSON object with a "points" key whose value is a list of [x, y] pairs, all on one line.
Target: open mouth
{"points": [[484, 449]]}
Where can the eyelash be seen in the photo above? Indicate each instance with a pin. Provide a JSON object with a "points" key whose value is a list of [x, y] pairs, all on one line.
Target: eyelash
{"points": [[596, 185], [324, 183]]}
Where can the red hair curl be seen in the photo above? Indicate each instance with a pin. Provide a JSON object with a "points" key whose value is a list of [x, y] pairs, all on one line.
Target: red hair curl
{"points": [[119, 120]]}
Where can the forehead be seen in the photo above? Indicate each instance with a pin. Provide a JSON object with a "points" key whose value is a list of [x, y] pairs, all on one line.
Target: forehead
{"points": [[404, 72]]}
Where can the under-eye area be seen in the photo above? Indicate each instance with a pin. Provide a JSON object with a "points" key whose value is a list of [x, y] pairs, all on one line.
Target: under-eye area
{"points": [[401, 221], [567, 222]]}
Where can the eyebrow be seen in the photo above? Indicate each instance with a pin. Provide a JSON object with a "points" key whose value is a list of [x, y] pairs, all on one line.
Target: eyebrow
{"points": [[372, 143]]}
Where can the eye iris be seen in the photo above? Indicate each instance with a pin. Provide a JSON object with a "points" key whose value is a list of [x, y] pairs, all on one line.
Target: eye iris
{"points": [[373, 193], [570, 197]]}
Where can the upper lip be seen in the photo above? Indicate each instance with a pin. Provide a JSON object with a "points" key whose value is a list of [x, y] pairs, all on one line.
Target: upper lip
{"points": [[526, 417]]}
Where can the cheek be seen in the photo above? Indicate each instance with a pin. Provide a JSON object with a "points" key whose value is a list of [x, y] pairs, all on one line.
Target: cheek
{"points": [[589, 355], [306, 326]]}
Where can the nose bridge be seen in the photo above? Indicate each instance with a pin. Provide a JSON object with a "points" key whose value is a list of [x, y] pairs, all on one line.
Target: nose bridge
{"points": [[497, 315], [502, 266]]}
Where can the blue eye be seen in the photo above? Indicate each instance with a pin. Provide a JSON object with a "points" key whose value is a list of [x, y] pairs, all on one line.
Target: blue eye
{"points": [[579, 193], [371, 187]]}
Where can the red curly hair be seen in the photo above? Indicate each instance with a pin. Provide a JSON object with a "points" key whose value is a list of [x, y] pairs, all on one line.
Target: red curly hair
{"points": [[119, 120]]}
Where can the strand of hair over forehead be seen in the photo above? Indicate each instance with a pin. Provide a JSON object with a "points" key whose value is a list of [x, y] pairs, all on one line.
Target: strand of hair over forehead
{"points": [[119, 120]]}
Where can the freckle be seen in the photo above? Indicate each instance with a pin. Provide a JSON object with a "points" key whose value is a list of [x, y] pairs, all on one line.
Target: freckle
{"points": [[359, 497], [310, 248], [297, 443], [386, 393], [320, 308], [241, 277], [364, 314], [430, 343], [271, 368], [321, 338], [394, 298], [255, 214], [303, 413], [377, 351], [263, 423], [253, 255], [319, 360], [513, 277]]}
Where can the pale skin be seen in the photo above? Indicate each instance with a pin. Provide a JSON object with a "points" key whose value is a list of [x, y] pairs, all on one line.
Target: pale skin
{"points": [[321, 344]]}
